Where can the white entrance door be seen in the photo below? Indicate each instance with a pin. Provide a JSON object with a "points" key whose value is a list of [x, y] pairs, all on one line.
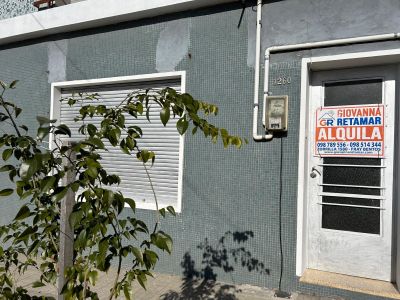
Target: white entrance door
{"points": [[349, 204]]}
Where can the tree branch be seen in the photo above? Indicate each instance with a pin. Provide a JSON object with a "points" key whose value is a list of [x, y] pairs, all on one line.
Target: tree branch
{"points": [[9, 114]]}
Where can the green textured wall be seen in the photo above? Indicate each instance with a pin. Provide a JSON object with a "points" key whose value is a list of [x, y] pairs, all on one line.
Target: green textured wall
{"points": [[223, 190], [29, 65]]}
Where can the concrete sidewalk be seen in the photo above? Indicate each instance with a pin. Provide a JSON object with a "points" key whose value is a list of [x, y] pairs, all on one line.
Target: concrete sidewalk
{"points": [[169, 287]]}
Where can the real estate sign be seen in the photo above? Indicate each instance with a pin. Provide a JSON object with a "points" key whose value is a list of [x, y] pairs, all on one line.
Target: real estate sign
{"points": [[350, 131]]}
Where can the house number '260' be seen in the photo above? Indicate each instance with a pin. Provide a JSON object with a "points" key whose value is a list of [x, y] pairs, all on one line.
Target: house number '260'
{"points": [[281, 80]]}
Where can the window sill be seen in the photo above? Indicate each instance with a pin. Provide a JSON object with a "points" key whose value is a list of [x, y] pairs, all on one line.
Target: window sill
{"points": [[350, 283]]}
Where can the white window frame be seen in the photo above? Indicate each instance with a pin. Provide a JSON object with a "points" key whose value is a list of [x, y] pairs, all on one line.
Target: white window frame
{"points": [[179, 75]]}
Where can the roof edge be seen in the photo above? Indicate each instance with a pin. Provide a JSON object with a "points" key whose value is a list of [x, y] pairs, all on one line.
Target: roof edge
{"points": [[89, 14]]}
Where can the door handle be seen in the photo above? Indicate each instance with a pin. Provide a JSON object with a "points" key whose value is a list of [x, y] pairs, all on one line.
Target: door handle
{"points": [[314, 172]]}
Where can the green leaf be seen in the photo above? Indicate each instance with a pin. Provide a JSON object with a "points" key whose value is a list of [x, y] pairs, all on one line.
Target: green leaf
{"points": [[138, 254], [7, 154], [1, 251], [91, 172], [3, 117], [168, 243], [142, 279], [124, 148], [75, 187], [63, 129], [148, 113], [29, 167], [61, 193], [47, 183], [26, 195], [75, 218], [12, 174], [38, 284], [42, 132], [124, 251], [103, 246], [81, 240], [128, 292], [91, 129], [12, 84], [162, 240], [43, 120], [119, 203], [136, 129], [121, 121], [17, 111], [108, 196], [6, 192], [150, 258], [24, 170], [9, 282], [145, 155], [139, 107], [93, 277], [164, 115], [23, 143], [131, 203], [130, 143], [97, 142], [171, 210], [33, 246], [23, 213], [27, 232], [114, 136], [182, 125]]}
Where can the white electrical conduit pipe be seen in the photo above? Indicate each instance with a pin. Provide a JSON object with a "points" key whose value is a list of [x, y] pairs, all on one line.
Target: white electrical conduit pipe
{"points": [[256, 106], [304, 46]]}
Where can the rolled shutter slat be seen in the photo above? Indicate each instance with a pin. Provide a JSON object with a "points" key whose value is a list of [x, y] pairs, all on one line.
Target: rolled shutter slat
{"points": [[164, 141]]}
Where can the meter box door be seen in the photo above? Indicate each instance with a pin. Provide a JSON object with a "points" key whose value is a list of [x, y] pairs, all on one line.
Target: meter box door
{"points": [[276, 113]]}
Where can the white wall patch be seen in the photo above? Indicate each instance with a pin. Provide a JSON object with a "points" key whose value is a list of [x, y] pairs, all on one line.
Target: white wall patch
{"points": [[57, 60], [173, 45]]}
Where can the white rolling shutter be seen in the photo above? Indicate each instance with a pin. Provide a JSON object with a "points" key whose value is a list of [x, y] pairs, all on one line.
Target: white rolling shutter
{"points": [[164, 141]]}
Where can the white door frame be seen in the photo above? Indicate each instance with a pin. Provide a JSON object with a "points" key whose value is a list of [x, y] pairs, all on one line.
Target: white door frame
{"points": [[309, 64]]}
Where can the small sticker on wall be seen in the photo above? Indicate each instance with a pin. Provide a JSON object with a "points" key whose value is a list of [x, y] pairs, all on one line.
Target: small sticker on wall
{"points": [[350, 131]]}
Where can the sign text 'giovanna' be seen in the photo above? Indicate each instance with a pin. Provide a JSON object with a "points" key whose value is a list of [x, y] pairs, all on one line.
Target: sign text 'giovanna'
{"points": [[350, 131]]}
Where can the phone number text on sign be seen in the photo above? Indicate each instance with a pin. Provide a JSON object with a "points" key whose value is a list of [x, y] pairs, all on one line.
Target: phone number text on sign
{"points": [[350, 131]]}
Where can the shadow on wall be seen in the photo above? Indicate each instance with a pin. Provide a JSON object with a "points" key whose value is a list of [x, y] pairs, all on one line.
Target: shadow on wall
{"points": [[201, 282]]}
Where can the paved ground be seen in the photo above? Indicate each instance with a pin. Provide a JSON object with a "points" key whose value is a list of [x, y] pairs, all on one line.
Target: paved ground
{"points": [[168, 287]]}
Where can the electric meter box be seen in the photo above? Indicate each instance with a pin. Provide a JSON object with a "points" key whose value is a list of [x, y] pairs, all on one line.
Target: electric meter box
{"points": [[276, 113]]}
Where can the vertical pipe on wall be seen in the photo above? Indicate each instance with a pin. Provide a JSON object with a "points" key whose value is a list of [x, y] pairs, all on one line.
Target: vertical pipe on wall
{"points": [[256, 106]]}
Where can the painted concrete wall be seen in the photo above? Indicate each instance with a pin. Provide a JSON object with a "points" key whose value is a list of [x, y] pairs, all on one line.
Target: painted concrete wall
{"points": [[223, 190], [296, 21], [12, 8], [299, 21]]}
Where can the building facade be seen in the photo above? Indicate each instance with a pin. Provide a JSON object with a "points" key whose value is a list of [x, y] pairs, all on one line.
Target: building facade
{"points": [[309, 203]]}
